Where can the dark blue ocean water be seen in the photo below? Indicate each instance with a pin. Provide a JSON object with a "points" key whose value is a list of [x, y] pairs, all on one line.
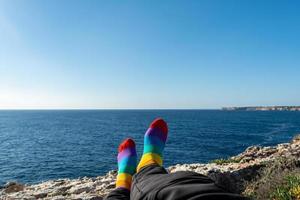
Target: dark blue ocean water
{"points": [[42, 145]]}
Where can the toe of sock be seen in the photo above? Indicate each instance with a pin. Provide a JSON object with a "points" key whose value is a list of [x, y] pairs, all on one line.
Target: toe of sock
{"points": [[127, 143], [160, 123]]}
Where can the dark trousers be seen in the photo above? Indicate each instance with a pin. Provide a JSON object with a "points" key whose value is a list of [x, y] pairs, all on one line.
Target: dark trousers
{"points": [[154, 183]]}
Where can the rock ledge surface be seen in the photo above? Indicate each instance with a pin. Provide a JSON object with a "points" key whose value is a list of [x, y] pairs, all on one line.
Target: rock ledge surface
{"points": [[231, 173]]}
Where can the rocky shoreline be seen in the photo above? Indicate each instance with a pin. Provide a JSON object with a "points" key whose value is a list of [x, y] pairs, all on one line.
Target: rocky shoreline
{"points": [[231, 173]]}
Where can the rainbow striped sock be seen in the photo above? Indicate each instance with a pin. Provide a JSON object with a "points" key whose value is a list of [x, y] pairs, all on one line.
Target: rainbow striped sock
{"points": [[126, 163], [154, 143]]}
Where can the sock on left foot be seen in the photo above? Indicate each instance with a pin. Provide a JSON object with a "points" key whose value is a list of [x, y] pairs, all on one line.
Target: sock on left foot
{"points": [[127, 161]]}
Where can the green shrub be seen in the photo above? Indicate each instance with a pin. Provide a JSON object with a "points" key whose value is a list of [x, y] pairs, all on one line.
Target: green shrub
{"points": [[225, 161], [279, 180], [289, 190]]}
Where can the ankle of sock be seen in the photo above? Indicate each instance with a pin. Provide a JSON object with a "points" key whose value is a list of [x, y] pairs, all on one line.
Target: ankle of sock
{"points": [[124, 181], [127, 160], [154, 143]]}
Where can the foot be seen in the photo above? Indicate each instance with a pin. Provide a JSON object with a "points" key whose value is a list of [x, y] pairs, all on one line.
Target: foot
{"points": [[127, 160], [154, 143]]}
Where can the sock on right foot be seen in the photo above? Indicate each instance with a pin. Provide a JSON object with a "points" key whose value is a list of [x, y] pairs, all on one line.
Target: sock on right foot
{"points": [[154, 143]]}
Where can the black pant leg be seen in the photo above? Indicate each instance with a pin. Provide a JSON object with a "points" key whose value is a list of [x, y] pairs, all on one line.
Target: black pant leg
{"points": [[118, 194], [143, 175], [145, 181], [154, 183]]}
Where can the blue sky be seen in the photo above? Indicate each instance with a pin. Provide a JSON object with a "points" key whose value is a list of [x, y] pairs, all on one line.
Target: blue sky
{"points": [[149, 54]]}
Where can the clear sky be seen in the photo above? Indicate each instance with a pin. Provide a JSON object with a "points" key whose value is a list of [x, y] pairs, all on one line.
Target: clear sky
{"points": [[149, 54]]}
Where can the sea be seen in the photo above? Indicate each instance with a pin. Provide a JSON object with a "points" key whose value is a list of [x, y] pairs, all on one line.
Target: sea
{"points": [[40, 145]]}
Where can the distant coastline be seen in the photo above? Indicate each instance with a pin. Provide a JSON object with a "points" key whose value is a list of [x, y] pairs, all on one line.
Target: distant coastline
{"points": [[263, 108]]}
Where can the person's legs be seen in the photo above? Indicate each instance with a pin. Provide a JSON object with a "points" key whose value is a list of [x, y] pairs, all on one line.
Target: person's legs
{"points": [[127, 161], [154, 142]]}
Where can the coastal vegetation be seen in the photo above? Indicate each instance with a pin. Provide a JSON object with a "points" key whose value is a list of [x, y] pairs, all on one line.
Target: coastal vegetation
{"points": [[279, 180], [225, 161]]}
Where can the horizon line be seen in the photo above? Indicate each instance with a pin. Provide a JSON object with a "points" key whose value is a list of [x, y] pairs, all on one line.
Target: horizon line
{"points": [[219, 108], [110, 109], [216, 108]]}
